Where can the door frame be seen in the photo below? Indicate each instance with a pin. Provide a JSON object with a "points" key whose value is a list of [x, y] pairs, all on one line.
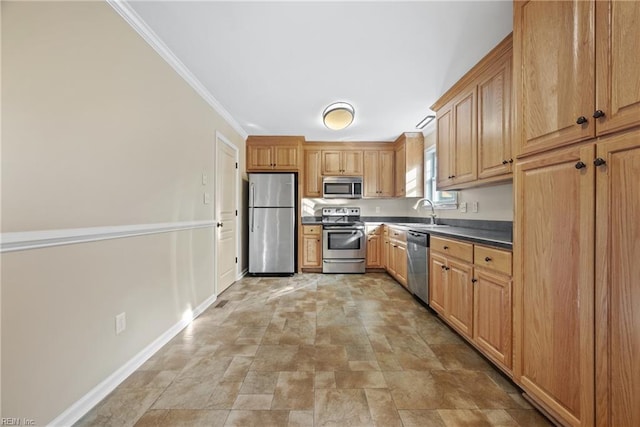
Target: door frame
{"points": [[221, 139]]}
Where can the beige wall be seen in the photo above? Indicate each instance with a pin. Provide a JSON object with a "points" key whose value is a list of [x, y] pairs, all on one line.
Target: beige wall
{"points": [[97, 131]]}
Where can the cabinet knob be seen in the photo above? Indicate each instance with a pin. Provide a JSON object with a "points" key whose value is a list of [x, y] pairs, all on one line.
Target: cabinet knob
{"points": [[445, 247], [510, 160], [447, 268], [443, 267], [487, 259], [474, 280], [504, 162], [599, 161], [581, 120], [597, 114], [580, 165]]}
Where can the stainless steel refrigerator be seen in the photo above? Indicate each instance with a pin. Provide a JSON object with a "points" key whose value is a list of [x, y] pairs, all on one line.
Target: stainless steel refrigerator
{"points": [[272, 224]]}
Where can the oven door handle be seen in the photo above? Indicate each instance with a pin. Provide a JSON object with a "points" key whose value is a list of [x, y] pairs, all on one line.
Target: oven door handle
{"points": [[343, 261]]}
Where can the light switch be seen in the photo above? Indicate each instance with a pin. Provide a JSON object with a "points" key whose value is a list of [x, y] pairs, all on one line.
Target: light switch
{"points": [[205, 178], [474, 208], [463, 206], [207, 198]]}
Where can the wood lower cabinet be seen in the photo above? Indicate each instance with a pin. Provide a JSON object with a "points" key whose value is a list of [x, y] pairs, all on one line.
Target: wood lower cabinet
{"points": [[397, 262], [618, 281], [451, 286], [470, 288], [374, 246], [312, 246], [553, 286], [386, 247], [378, 177], [492, 304]]}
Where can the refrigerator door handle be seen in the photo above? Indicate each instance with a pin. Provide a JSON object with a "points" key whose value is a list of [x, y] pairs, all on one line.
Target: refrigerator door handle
{"points": [[253, 207]]}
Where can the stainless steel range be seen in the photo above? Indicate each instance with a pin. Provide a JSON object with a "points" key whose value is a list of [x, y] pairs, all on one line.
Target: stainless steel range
{"points": [[344, 248]]}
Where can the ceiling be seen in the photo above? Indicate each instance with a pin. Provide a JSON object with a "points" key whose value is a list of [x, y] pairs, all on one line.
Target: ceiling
{"points": [[275, 66]]}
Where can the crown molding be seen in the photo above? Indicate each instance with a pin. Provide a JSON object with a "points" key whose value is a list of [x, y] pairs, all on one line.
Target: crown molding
{"points": [[137, 23]]}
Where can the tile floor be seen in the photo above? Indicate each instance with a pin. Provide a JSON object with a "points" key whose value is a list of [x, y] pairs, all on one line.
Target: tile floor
{"points": [[316, 350]]}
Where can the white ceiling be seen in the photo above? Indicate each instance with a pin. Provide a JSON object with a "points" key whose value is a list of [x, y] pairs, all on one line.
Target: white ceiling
{"points": [[275, 66]]}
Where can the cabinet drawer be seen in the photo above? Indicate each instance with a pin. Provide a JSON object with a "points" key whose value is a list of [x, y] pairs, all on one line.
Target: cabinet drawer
{"points": [[374, 230], [397, 234], [454, 248], [311, 229], [494, 259]]}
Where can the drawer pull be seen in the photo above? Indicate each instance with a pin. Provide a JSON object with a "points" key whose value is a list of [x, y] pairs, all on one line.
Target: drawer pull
{"points": [[474, 280], [487, 259], [445, 248]]}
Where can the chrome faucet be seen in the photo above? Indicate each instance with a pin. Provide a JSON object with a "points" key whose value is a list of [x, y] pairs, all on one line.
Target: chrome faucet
{"points": [[433, 212]]}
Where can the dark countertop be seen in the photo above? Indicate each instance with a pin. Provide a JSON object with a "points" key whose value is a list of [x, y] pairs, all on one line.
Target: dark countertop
{"points": [[491, 233]]}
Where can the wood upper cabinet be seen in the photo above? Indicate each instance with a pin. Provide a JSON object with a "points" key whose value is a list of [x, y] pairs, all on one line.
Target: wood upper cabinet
{"points": [[312, 176], [464, 166], [617, 281], [473, 144], [273, 153], [617, 65], [553, 284], [378, 173], [409, 165], [311, 246], [494, 120], [342, 162], [574, 80]]}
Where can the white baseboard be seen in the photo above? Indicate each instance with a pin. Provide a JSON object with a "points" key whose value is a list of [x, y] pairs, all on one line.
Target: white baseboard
{"points": [[242, 274], [83, 405]]}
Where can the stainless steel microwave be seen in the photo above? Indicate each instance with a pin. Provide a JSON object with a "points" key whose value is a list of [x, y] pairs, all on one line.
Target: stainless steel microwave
{"points": [[342, 187]]}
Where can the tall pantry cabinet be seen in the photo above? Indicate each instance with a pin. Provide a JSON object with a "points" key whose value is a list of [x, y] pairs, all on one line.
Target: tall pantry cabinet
{"points": [[577, 209]]}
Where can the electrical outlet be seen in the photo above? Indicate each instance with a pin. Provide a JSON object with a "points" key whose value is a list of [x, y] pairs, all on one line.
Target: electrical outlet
{"points": [[475, 207], [207, 198], [463, 206], [205, 178], [121, 323]]}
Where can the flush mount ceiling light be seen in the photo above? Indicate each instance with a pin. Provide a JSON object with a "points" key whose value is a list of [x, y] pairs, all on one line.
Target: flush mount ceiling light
{"points": [[425, 121], [338, 115]]}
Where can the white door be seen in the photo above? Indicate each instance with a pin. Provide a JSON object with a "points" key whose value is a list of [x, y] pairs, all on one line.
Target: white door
{"points": [[226, 209]]}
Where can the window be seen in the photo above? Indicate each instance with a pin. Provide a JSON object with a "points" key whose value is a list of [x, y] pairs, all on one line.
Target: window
{"points": [[441, 199]]}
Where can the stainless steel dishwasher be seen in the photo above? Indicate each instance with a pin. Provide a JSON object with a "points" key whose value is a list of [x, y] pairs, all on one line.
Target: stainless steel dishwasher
{"points": [[418, 254]]}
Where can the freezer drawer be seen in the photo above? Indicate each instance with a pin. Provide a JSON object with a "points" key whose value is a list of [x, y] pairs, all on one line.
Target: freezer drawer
{"points": [[271, 240]]}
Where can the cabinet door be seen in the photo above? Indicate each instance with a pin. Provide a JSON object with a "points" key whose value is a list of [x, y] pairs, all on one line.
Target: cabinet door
{"points": [[437, 282], [459, 302], [494, 121], [352, 163], [554, 61], [617, 283], [444, 149], [386, 173], [311, 251], [553, 281], [385, 252], [312, 175], [259, 157], [286, 157], [492, 316], [331, 163], [617, 65], [371, 174], [373, 251], [400, 171], [465, 143], [401, 263]]}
